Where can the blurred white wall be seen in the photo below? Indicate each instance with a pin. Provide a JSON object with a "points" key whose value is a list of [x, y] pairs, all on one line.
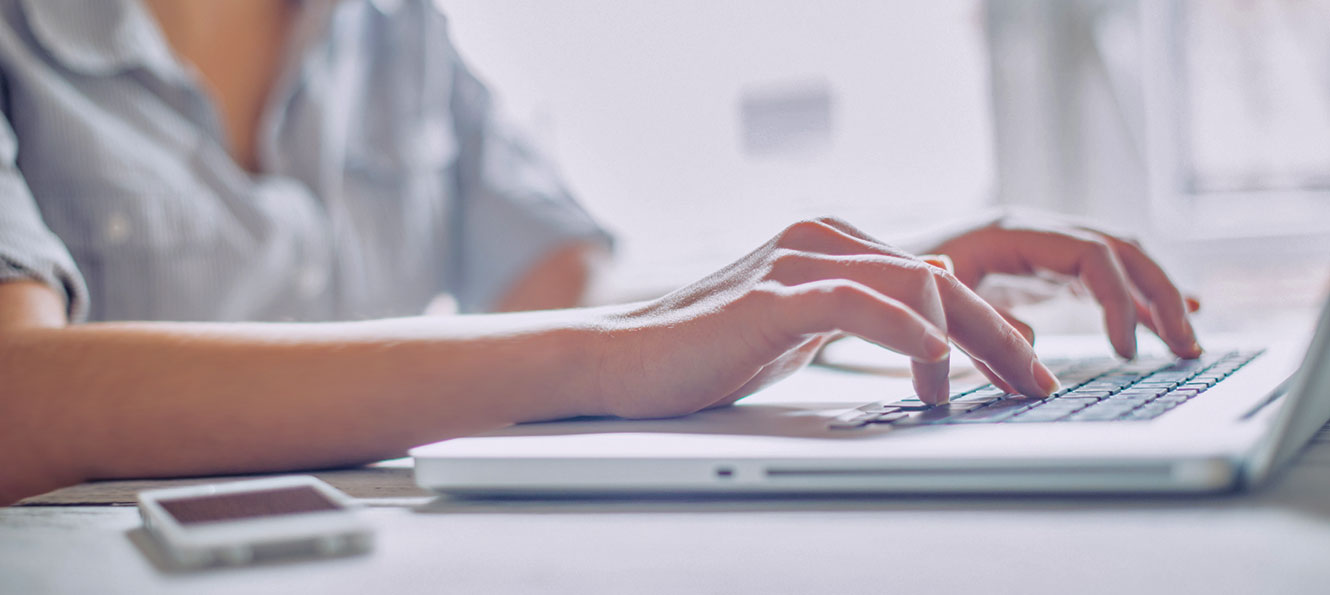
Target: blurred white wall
{"points": [[1196, 125], [639, 101]]}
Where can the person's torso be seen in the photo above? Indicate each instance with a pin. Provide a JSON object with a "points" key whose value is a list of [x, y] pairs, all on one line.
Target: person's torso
{"points": [[123, 153]]}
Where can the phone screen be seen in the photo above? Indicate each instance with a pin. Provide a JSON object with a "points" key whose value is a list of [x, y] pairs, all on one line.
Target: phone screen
{"points": [[247, 505]]}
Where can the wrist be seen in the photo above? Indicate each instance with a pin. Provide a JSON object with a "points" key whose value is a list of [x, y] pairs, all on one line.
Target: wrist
{"points": [[609, 353]]}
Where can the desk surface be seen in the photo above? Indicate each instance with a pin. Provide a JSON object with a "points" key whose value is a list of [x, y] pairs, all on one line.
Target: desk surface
{"points": [[1277, 540]]}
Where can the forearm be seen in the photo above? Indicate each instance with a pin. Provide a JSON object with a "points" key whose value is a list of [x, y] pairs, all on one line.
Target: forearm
{"points": [[155, 399]]}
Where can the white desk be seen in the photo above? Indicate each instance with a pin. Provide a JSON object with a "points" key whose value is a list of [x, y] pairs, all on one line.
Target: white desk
{"points": [[1273, 541]]}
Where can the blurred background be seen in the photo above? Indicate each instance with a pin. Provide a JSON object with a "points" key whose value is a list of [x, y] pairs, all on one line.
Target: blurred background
{"points": [[697, 129]]}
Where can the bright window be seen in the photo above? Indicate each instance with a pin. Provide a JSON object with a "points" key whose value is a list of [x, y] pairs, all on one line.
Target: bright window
{"points": [[698, 128]]}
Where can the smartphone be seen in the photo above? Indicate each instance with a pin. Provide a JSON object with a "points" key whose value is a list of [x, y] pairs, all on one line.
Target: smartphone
{"points": [[242, 521]]}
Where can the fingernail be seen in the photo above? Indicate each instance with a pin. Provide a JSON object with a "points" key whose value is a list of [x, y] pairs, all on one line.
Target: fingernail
{"points": [[934, 395], [941, 261], [1195, 345], [937, 346], [944, 393], [1044, 378]]}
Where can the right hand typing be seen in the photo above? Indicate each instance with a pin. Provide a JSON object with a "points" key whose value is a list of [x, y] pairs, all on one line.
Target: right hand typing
{"points": [[763, 317]]}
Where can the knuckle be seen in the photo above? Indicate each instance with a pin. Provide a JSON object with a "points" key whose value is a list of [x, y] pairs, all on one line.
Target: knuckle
{"points": [[764, 294], [831, 295], [944, 279], [845, 293], [895, 250], [830, 221], [800, 231], [918, 277], [1098, 248], [785, 263]]}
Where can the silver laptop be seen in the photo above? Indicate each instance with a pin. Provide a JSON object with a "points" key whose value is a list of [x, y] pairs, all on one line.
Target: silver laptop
{"points": [[1222, 422]]}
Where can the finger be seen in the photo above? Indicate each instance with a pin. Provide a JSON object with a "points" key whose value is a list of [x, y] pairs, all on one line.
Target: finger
{"points": [[966, 317], [849, 229], [828, 235], [1164, 298], [1146, 317], [932, 380], [832, 236], [843, 305], [982, 332], [1088, 257], [993, 377], [907, 281], [941, 261], [1025, 330]]}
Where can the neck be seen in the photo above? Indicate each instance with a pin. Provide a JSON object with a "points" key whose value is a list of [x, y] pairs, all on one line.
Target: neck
{"points": [[236, 47], [200, 25]]}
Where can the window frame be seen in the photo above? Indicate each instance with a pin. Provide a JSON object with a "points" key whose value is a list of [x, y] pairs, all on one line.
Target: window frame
{"points": [[1188, 214]]}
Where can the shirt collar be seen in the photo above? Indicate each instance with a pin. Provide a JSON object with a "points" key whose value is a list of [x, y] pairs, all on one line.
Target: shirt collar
{"points": [[386, 6], [100, 38]]}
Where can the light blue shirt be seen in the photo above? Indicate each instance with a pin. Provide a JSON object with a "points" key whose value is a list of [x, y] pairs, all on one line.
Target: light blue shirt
{"points": [[386, 177]]}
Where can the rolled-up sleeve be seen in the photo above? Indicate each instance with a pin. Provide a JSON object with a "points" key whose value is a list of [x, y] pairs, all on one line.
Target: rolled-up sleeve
{"points": [[28, 249], [512, 208]]}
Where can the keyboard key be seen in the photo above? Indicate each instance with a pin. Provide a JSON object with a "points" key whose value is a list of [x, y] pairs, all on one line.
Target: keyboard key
{"points": [[1108, 408], [1089, 394], [1165, 386], [1064, 404], [1131, 398], [1101, 390], [977, 398], [1064, 407], [1151, 412], [1093, 414], [997, 411], [1167, 377], [879, 408], [937, 414], [910, 405], [1039, 415], [989, 389], [1149, 391], [851, 419], [1141, 415]]}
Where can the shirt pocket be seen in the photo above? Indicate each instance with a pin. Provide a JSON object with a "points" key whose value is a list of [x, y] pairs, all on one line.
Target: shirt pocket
{"points": [[145, 254], [381, 156]]}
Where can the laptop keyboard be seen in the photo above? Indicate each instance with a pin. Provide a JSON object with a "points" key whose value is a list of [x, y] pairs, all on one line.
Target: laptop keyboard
{"points": [[1093, 390]]}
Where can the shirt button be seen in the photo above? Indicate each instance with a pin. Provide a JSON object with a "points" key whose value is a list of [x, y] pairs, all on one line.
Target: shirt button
{"points": [[117, 228], [312, 281]]}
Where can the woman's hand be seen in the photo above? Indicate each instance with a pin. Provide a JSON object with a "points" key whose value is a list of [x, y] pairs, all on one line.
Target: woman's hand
{"points": [[763, 317], [1129, 286]]}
